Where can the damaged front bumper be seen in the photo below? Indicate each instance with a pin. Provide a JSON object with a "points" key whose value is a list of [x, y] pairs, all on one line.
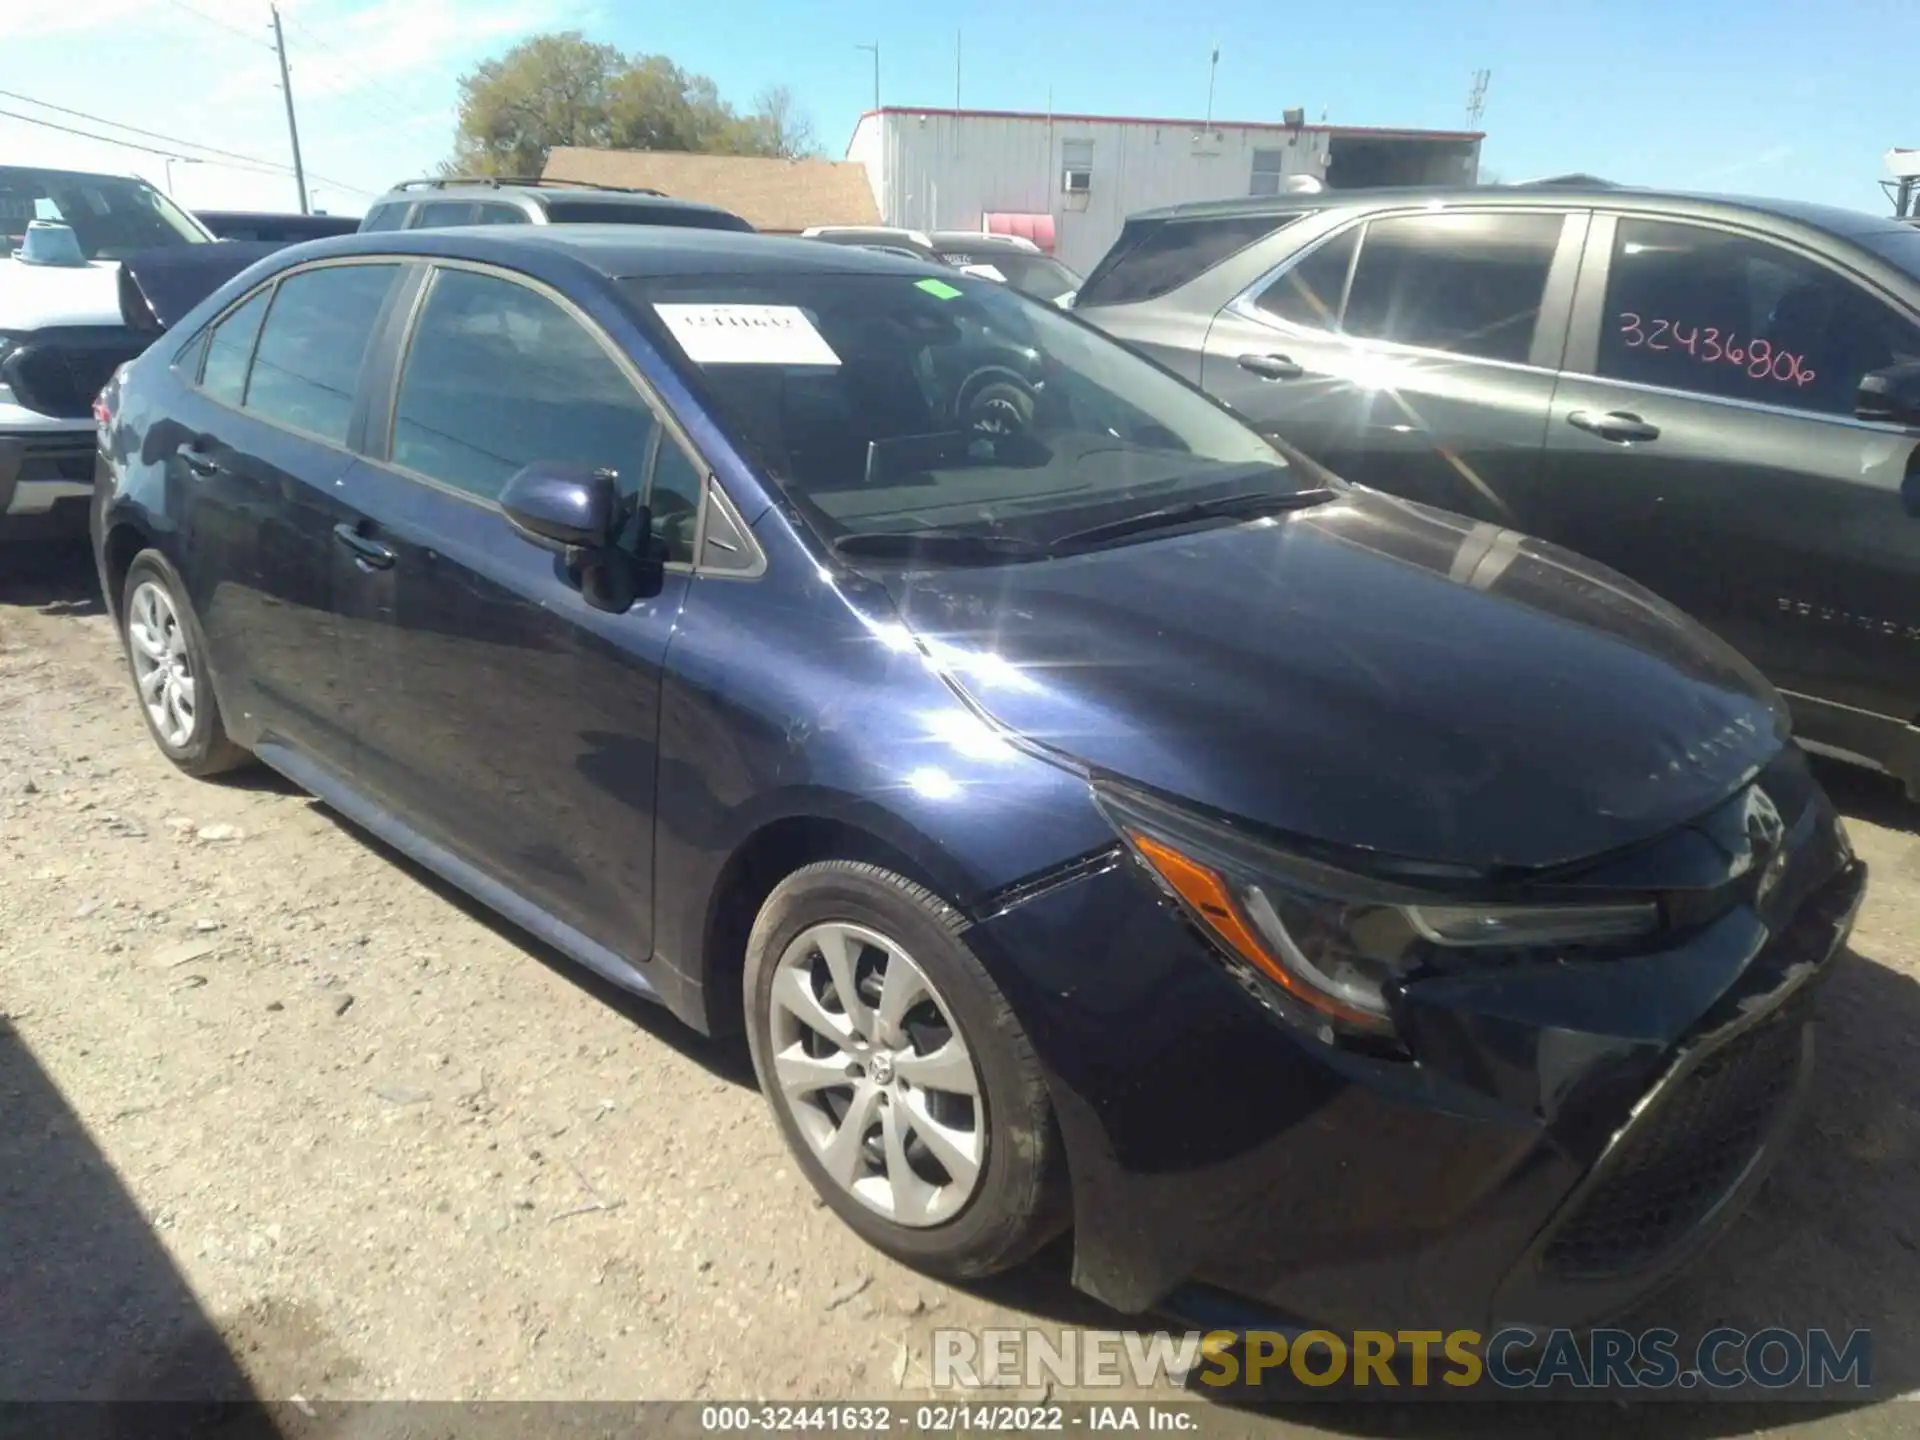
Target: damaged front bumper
{"points": [[1564, 1136]]}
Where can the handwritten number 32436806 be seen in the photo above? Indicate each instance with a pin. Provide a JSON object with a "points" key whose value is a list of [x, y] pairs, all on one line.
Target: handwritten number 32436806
{"points": [[1757, 357]]}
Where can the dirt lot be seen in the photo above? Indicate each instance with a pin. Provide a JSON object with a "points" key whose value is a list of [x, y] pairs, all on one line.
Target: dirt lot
{"points": [[280, 1109]]}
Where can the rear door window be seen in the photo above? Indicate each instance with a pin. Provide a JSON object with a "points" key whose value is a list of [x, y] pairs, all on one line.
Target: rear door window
{"points": [[1466, 284], [498, 375], [306, 368], [1159, 256], [1309, 293], [230, 350], [496, 214], [1716, 313], [435, 213]]}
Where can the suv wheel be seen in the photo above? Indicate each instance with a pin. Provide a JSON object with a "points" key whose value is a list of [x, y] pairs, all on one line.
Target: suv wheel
{"points": [[898, 1074], [168, 657]]}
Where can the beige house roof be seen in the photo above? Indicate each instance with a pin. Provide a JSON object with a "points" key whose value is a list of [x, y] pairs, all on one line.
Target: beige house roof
{"points": [[779, 195]]}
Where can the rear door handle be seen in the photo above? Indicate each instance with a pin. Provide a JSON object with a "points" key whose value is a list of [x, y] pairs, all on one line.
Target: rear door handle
{"points": [[1619, 426], [194, 455], [1272, 367], [367, 554]]}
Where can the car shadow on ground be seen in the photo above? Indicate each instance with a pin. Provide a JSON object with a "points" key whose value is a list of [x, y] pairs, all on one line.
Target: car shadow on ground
{"points": [[95, 1309], [55, 577]]}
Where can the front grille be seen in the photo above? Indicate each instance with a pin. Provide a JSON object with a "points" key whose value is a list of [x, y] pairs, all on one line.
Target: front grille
{"points": [[1681, 1157], [59, 370]]}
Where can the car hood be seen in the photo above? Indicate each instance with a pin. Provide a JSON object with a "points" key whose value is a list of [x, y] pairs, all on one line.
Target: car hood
{"points": [[1368, 673], [33, 297]]}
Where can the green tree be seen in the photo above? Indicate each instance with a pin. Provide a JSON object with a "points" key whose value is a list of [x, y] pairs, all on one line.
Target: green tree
{"points": [[562, 89], [546, 91]]}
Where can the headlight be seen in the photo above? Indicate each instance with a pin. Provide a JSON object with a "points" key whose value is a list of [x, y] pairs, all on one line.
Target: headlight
{"points": [[1333, 941]]}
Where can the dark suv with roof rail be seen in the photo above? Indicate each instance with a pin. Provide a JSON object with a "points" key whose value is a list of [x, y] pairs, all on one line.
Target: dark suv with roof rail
{"points": [[1718, 397], [495, 200]]}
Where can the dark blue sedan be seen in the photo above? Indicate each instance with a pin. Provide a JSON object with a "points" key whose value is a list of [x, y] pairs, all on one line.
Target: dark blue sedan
{"points": [[1094, 815]]}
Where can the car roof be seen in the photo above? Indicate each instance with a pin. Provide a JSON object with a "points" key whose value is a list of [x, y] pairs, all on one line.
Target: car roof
{"points": [[624, 251], [1830, 218]]}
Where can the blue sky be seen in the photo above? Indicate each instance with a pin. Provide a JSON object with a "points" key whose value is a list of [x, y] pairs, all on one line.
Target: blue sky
{"points": [[1760, 96]]}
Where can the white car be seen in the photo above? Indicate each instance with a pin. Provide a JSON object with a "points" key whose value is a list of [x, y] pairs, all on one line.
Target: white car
{"points": [[62, 236]]}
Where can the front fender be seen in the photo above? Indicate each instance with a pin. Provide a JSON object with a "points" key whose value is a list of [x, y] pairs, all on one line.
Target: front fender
{"points": [[799, 696]]}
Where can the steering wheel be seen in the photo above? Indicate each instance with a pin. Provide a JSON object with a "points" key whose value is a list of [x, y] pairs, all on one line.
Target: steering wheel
{"points": [[675, 522], [995, 402]]}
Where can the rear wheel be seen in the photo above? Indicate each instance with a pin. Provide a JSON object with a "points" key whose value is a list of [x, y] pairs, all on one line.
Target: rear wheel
{"points": [[168, 657], [898, 1074]]}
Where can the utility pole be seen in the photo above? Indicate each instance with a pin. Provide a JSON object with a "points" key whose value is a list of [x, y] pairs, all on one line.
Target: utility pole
{"points": [[956, 69], [875, 48], [293, 129], [1213, 69]]}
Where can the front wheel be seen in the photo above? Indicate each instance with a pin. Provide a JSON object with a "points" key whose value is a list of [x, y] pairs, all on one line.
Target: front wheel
{"points": [[898, 1074]]}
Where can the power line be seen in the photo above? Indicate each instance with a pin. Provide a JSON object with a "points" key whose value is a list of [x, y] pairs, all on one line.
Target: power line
{"points": [[219, 24], [341, 65], [136, 130], [112, 140], [253, 161]]}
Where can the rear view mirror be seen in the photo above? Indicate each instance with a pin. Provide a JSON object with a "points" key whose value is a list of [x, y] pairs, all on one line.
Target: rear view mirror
{"points": [[563, 507], [579, 515], [1890, 396]]}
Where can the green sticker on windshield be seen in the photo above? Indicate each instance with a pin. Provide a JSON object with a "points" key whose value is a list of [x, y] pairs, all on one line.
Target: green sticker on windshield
{"points": [[939, 289]]}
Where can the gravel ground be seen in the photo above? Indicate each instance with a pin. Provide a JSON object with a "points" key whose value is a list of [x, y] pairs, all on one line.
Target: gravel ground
{"points": [[279, 1110]]}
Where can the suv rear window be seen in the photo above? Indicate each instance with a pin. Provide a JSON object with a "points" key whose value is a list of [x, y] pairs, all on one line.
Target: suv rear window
{"points": [[1152, 257]]}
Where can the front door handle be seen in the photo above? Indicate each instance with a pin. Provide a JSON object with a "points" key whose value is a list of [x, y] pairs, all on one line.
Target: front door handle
{"points": [[367, 554], [1619, 426], [1272, 367], [194, 456]]}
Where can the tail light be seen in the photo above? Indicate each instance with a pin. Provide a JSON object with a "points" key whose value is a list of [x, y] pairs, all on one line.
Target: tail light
{"points": [[104, 402]]}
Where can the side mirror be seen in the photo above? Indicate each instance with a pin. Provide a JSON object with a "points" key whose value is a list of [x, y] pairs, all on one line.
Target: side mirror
{"points": [[1890, 396], [578, 514], [563, 507]]}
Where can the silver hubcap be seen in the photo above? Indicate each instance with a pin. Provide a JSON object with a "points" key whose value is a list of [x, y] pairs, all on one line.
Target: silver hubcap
{"points": [[876, 1075], [160, 665]]}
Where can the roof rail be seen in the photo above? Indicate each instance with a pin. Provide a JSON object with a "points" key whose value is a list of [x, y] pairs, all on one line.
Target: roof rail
{"points": [[500, 182]]}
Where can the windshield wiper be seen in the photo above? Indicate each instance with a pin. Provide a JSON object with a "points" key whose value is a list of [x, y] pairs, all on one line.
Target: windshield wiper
{"points": [[951, 547], [1264, 502]]}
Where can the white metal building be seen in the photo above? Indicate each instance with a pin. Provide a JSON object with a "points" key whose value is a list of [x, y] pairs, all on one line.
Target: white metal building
{"points": [[1068, 182]]}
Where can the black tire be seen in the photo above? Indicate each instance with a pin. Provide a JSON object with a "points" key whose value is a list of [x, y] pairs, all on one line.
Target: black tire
{"points": [[208, 749], [1021, 1201]]}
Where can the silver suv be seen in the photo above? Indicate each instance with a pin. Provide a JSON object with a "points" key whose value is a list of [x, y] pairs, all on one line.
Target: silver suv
{"points": [[489, 200]]}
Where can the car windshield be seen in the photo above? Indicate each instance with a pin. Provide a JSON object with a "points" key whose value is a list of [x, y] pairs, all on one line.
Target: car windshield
{"points": [[1040, 276], [112, 216], [899, 403]]}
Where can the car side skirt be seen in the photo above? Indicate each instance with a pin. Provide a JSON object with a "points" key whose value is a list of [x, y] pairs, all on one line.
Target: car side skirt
{"points": [[321, 782]]}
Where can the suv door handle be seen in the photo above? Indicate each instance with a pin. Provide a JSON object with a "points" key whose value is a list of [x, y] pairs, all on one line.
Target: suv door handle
{"points": [[194, 455], [1272, 367], [1619, 426], [367, 554]]}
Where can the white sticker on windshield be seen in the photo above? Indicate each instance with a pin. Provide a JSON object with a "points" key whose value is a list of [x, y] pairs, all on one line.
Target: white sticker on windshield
{"points": [[747, 335]]}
